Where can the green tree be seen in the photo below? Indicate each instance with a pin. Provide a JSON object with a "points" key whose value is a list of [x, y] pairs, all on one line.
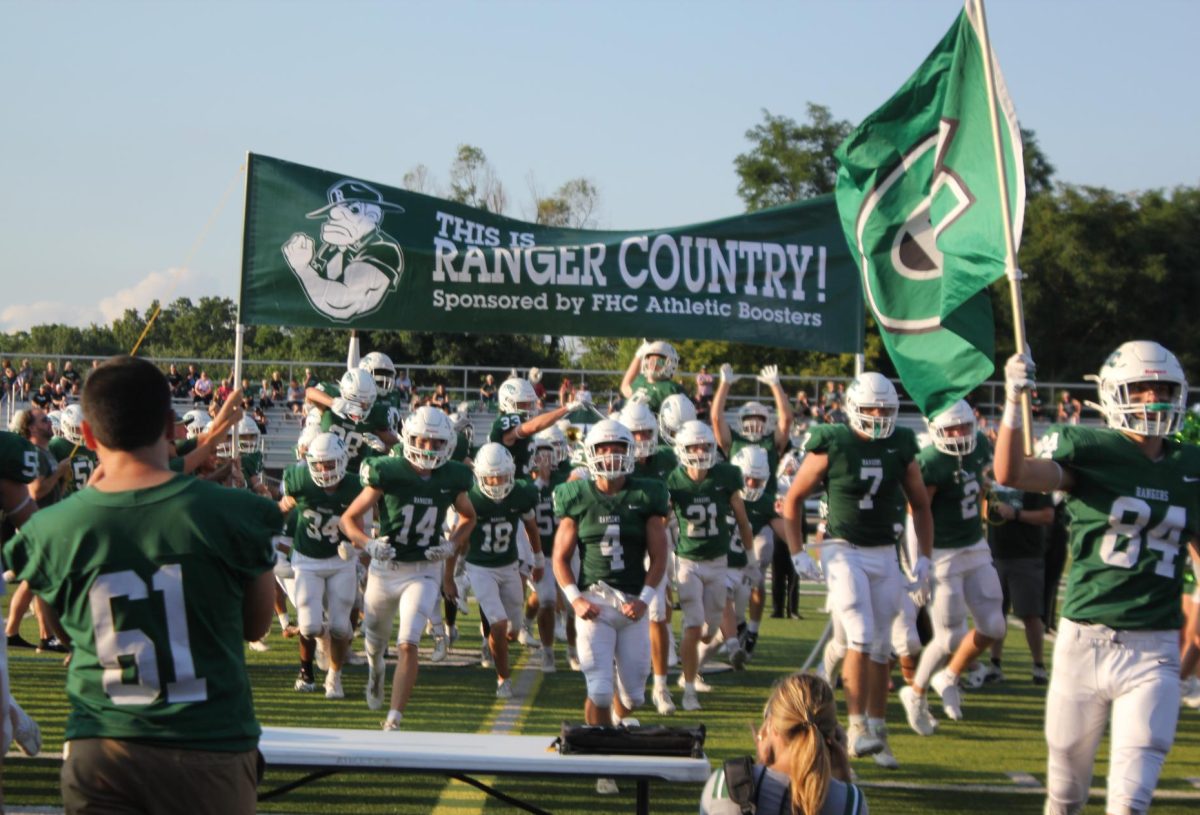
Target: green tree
{"points": [[788, 161]]}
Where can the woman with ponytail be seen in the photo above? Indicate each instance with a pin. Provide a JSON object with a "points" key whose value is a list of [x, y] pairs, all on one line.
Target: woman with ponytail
{"points": [[802, 767]]}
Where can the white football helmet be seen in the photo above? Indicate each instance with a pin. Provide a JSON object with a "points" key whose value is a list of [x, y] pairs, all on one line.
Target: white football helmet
{"points": [[358, 394], [562, 445], [55, 417], [432, 424], [608, 464], [71, 422], [542, 448], [307, 435], [674, 411], [789, 464], [640, 420], [494, 461], [659, 361], [379, 366], [1136, 362], [753, 419], [752, 461], [327, 457], [695, 445], [960, 442], [872, 390], [460, 420], [516, 395], [196, 422], [248, 439]]}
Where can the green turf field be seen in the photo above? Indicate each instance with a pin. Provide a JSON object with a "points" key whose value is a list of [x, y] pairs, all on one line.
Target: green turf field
{"points": [[942, 773]]}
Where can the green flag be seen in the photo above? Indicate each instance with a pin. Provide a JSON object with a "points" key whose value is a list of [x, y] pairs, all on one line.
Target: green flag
{"points": [[918, 193]]}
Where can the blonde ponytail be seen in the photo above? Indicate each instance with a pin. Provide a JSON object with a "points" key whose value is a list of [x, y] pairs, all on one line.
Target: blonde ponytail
{"points": [[801, 711]]}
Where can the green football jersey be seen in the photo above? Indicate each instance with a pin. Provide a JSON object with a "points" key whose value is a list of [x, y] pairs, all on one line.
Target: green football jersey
{"points": [[462, 447], [736, 559], [149, 585], [611, 529], [384, 415], [316, 532], [957, 522], [252, 465], [351, 434], [520, 447], [702, 509], [1130, 520], [864, 479], [494, 538], [655, 392], [658, 465], [18, 458], [760, 513], [82, 465], [185, 446], [544, 512], [737, 441], [413, 507]]}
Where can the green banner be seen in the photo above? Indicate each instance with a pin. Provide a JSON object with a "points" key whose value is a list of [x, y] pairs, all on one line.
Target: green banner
{"points": [[326, 249]]}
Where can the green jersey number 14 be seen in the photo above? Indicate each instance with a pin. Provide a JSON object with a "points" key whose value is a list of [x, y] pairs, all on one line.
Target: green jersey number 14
{"points": [[112, 645]]}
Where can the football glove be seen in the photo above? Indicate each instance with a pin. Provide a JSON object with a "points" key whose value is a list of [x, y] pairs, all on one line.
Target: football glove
{"points": [[380, 549], [806, 567], [769, 376], [919, 589], [1018, 376], [643, 349], [374, 442], [347, 551], [441, 551], [727, 375]]}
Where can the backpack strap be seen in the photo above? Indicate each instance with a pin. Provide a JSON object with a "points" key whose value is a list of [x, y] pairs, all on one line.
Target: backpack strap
{"points": [[741, 783], [854, 799]]}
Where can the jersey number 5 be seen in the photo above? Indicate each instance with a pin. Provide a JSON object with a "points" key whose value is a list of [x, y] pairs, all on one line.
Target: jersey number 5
{"points": [[112, 645]]}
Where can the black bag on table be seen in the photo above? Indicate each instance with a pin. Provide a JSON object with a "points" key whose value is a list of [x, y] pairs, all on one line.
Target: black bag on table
{"points": [[656, 740]]}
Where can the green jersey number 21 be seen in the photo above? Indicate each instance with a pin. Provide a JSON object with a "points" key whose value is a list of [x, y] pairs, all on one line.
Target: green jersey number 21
{"points": [[112, 644]]}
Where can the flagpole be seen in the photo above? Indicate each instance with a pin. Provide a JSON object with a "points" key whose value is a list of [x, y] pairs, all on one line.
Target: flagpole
{"points": [[240, 330], [1010, 251]]}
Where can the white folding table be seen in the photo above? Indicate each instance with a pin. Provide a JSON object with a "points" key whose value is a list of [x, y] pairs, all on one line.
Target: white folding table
{"points": [[325, 751]]}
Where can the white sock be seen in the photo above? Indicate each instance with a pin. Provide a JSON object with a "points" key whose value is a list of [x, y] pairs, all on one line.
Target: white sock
{"points": [[660, 682], [874, 725], [395, 716], [752, 625], [857, 719], [284, 621], [689, 687]]}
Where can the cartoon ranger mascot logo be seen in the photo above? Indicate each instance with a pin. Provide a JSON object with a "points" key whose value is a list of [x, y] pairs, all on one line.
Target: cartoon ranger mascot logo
{"points": [[356, 264]]}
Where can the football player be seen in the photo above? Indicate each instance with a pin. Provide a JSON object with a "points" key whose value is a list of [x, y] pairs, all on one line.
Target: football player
{"points": [[615, 519], [70, 446], [754, 430], [501, 503], [414, 491], [352, 410], [703, 494], [1131, 494], [322, 557], [963, 575], [866, 464], [389, 403], [544, 600], [675, 411], [656, 461], [517, 422], [649, 374]]}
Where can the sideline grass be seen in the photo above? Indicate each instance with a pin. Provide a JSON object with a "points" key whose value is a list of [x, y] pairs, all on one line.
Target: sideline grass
{"points": [[1001, 734]]}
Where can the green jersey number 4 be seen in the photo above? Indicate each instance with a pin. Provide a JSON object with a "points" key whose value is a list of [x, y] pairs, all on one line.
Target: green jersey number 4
{"points": [[610, 547], [1163, 538], [112, 645]]}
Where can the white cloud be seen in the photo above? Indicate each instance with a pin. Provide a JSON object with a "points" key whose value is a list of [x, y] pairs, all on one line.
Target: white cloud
{"points": [[162, 286]]}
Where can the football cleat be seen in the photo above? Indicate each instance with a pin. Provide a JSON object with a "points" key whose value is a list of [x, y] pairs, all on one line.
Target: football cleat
{"points": [[738, 659], [630, 721], [916, 708], [663, 702], [947, 687], [560, 629], [356, 658], [548, 661], [1040, 677], [260, 646], [453, 635], [701, 685], [504, 689], [392, 724], [691, 700], [485, 656], [573, 658], [305, 684], [862, 742], [976, 677], [606, 786], [333, 685], [440, 648], [884, 757], [1189, 691], [994, 674]]}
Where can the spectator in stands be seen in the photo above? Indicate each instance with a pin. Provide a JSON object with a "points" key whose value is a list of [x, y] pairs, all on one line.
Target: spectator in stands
{"points": [[12, 383], [295, 398], [75, 393], [440, 398], [1069, 409], [704, 390], [224, 390], [834, 413], [191, 377], [804, 408], [487, 392], [404, 387], [260, 418], [277, 387], [802, 762], [26, 377], [535, 377], [202, 390], [176, 381], [95, 365], [266, 395], [69, 373], [50, 375], [43, 397], [58, 397]]}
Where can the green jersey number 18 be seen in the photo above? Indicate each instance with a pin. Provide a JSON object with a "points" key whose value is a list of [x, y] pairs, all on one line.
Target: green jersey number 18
{"points": [[496, 537], [112, 644]]}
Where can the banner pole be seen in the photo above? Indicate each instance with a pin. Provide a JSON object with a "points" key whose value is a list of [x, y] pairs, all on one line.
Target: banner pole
{"points": [[1010, 252], [860, 363], [240, 331]]}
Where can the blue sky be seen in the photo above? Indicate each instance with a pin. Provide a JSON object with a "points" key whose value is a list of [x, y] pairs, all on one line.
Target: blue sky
{"points": [[126, 122]]}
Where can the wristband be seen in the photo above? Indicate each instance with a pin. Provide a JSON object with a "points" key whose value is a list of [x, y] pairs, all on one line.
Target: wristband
{"points": [[571, 592], [539, 560], [1013, 416], [647, 594]]}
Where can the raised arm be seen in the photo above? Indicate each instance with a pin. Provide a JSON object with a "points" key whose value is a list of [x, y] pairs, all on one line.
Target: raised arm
{"points": [[1012, 467], [717, 411], [769, 376], [635, 367]]}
